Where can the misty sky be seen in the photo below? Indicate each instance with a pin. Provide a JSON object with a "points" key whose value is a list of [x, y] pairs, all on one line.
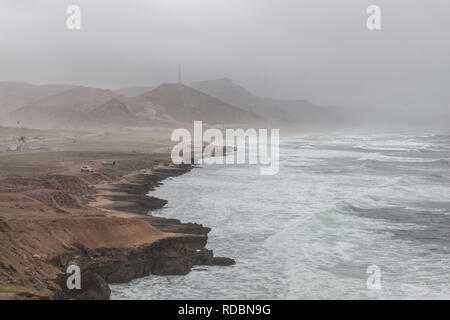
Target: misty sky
{"points": [[318, 50]]}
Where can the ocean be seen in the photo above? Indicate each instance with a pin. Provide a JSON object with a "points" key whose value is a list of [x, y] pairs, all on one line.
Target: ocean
{"points": [[339, 204]]}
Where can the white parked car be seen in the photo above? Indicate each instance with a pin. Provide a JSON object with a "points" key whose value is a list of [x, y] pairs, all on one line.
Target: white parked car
{"points": [[86, 169]]}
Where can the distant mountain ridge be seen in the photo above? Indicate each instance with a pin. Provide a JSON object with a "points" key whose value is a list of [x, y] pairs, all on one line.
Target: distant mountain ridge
{"points": [[14, 95], [280, 111], [113, 112], [67, 108], [214, 102], [133, 91], [182, 103], [168, 104]]}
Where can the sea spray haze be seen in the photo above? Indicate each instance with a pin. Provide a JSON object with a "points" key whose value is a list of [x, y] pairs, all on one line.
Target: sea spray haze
{"points": [[374, 61], [250, 145], [317, 131], [340, 204]]}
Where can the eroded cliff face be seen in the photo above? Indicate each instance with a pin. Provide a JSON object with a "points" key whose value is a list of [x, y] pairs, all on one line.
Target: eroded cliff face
{"points": [[35, 254], [169, 256], [37, 248]]}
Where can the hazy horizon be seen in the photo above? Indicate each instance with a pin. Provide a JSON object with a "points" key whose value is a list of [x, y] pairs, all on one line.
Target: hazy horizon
{"points": [[241, 150], [319, 51]]}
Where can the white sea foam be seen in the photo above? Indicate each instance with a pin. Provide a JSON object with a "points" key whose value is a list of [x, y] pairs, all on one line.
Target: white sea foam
{"points": [[377, 156], [312, 230]]}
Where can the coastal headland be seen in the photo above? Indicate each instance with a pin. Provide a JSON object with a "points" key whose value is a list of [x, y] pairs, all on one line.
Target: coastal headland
{"points": [[52, 216]]}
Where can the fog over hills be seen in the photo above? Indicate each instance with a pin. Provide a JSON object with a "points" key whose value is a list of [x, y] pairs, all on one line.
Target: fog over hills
{"points": [[61, 106], [67, 108], [81, 98], [278, 111], [183, 103], [114, 112], [13, 95], [321, 51], [133, 91]]}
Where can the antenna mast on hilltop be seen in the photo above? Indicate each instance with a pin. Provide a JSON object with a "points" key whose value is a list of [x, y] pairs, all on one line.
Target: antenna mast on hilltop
{"points": [[179, 75]]}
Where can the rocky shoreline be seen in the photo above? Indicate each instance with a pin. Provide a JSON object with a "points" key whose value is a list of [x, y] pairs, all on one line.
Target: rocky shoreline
{"points": [[98, 222], [168, 256], [174, 255]]}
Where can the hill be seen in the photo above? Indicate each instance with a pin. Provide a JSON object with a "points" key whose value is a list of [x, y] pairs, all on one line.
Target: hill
{"points": [[67, 108], [14, 95], [113, 113], [214, 102], [133, 91], [281, 111], [181, 103]]}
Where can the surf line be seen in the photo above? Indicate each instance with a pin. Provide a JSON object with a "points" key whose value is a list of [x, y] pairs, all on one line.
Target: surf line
{"points": [[208, 147]]}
